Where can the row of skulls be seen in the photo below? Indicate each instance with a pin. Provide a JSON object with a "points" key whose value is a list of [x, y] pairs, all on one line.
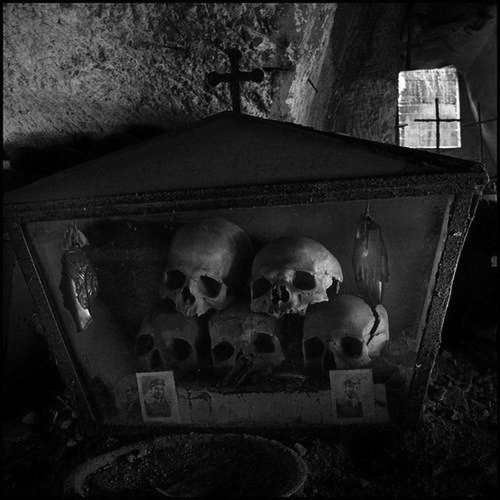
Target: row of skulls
{"points": [[209, 263]]}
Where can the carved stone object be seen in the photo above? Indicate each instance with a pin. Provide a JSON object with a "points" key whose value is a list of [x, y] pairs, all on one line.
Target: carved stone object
{"points": [[208, 264], [347, 328], [78, 284], [237, 331], [290, 273]]}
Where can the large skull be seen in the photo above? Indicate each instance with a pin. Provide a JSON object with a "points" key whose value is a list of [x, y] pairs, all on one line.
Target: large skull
{"points": [[343, 333], [238, 331], [208, 263], [290, 273], [167, 341]]}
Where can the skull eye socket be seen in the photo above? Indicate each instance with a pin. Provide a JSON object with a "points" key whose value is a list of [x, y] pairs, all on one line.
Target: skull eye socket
{"points": [[313, 347], [209, 287], [174, 279], [351, 347], [181, 349], [144, 344], [264, 343], [304, 281], [260, 286], [222, 351]]}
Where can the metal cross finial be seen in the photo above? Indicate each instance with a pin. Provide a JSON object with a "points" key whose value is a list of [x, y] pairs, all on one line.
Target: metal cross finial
{"points": [[235, 77], [438, 121]]}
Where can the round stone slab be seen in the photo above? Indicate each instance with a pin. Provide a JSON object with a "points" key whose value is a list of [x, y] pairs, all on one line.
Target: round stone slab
{"points": [[192, 465]]}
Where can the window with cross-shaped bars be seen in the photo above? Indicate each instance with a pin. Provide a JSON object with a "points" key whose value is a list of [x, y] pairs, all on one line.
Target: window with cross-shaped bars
{"points": [[429, 99]]}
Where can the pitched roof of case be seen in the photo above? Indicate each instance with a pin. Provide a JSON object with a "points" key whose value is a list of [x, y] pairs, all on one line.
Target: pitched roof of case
{"points": [[232, 149]]}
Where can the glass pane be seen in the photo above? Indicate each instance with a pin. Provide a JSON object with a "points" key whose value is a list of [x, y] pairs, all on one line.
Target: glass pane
{"points": [[133, 331]]}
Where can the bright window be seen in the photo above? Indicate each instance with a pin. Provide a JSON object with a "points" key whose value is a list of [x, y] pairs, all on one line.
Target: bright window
{"points": [[418, 91]]}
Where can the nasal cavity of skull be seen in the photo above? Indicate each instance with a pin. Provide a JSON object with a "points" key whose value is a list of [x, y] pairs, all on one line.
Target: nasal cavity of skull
{"points": [[155, 361], [209, 286], [260, 287], [144, 344], [279, 293], [222, 351], [264, 343], [329, 361], [187, 296], [351, 347], [174, 279], [181, 349], [314, 347], [304, 280]]}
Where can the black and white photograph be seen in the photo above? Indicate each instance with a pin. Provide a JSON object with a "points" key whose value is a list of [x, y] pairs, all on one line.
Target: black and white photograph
{"points": [[353, 397], [158, 397]]}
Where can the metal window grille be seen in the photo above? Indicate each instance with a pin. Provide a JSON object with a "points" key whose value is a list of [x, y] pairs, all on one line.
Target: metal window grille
{"points": [[418, 91]]}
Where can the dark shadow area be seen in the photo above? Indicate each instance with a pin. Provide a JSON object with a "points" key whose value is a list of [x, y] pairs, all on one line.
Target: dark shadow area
{"points": [[30, 164], [471, 324]]}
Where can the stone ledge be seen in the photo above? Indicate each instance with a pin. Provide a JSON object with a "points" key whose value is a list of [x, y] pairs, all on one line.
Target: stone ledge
{"points": [[204, 407]]}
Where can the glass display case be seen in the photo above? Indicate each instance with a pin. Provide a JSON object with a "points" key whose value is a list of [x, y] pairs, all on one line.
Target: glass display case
{"points": [[240, 272]]}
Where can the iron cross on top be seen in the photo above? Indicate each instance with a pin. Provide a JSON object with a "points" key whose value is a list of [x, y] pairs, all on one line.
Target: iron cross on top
{"points": [[235, 77]]}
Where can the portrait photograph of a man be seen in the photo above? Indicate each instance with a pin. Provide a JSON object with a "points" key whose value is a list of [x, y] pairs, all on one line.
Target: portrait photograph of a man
{"points": [[353, 397], [158, 397], [350, 405]]}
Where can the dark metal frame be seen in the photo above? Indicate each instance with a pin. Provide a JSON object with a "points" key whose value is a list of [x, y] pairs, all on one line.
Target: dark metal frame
{"points": [[464, 188]]}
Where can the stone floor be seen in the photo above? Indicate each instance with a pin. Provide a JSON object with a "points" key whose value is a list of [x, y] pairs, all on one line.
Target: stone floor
{"points": [[452, 453]]}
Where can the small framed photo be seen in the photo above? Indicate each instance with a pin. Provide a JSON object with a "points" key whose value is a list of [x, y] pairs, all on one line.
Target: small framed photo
{"points": [[353, 397], [158, 397]]}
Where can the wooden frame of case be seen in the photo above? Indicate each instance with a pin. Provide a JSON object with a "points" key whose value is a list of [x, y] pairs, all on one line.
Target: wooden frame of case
{"points": [[463, 189]]}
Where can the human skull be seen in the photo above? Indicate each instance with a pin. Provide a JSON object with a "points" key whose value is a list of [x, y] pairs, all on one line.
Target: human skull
{"points": [[290, 273], [208, 263], [236, 331], [343, 333], [167, 341]]}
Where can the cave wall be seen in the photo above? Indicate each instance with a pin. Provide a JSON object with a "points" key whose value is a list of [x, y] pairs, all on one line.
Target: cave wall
{"points": [[94, 69], [359, 83]]}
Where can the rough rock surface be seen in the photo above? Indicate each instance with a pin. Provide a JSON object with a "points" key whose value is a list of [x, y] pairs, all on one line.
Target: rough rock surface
{"points": [[93, 69], [361, 72]]}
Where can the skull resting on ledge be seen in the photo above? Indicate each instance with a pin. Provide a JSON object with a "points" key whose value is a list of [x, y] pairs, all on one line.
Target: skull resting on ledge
{"points": [[208, 263], [167, 341], [343, 333], [291, 273], [236, 331]]}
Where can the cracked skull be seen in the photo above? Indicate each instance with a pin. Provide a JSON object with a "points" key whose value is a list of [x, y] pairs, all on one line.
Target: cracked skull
{"points": [[236, 331], [343, 333], [167, 341], [290, 273], [208, 264]]}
